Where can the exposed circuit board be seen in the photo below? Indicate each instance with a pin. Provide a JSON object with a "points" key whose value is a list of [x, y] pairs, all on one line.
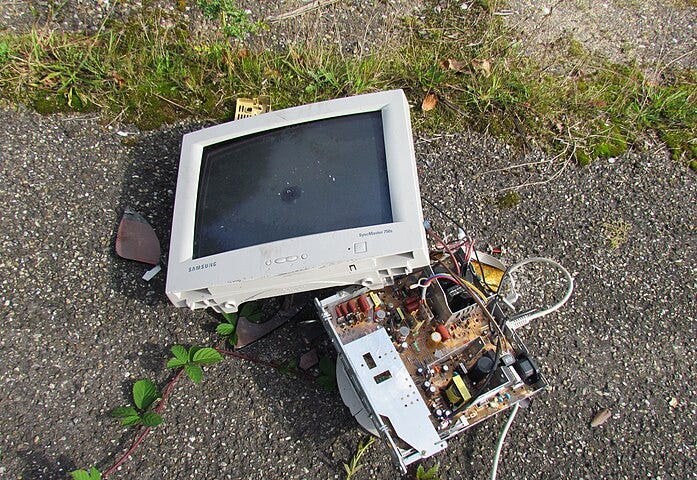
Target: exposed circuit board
{"points": [[444, 332]]}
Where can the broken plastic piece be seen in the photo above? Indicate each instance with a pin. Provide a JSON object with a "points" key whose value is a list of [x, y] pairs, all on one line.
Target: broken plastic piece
{"points": [[308, 359], [147, 276], [136, 239], [249, 107]]}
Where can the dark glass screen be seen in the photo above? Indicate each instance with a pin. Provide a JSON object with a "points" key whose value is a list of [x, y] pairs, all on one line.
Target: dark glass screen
{"points": [[298, 180]]}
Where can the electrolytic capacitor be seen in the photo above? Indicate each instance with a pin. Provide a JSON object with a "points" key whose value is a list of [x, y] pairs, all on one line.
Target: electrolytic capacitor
{"points": [[444, 368], [432, 390], [380, 315], [439, 412], [448, 413], [403, 334], [404, 346], [420, 371], [427, 385], [444, 333]]}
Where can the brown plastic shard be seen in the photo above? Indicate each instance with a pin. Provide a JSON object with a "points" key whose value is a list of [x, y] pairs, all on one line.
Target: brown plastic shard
{"points": [[136, 239]]}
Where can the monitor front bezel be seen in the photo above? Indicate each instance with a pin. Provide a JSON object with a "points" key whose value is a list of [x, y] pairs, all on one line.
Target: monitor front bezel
{"points": [[315, 251]]}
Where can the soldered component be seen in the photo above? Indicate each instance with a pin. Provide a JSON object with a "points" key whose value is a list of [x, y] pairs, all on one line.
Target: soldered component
{"points": [[457, 392], [376, 300]]}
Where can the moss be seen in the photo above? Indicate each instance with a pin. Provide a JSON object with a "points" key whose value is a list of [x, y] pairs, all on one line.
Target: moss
{"points": [[693, 165], [582, 157], [46, 104], [576, 48], [614, 146], [508, 200]]}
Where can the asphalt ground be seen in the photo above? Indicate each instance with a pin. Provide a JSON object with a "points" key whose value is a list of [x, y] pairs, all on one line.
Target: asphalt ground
{"points": [[80, 326]]}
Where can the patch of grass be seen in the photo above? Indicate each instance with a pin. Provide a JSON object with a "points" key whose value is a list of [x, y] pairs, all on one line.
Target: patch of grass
{"points": [[235, 22], [150, 70], [617, 233], [508, 199]]}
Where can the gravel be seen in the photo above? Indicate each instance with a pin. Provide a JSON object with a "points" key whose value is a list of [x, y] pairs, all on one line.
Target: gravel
{"points": [[80, 326]]}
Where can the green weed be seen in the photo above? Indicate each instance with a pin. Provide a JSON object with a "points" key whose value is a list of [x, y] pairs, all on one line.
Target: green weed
{"points": [[145, 394], [150, 70], [193, 359], [354, 464], [430, 474], [234, 21]]}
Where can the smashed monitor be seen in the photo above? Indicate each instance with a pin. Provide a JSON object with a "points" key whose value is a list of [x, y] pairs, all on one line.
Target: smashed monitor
{"points": [[294, 200]]}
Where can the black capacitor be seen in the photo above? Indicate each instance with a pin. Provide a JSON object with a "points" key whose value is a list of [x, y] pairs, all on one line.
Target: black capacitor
{"points": [[481, 369]]}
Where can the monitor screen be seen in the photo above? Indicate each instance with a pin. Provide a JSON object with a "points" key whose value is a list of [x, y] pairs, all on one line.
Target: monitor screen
{"points": [[298, 180]]}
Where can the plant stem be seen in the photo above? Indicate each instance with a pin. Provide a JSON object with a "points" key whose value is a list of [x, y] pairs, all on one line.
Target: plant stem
{"points": [[266, 363], [146, 430]]}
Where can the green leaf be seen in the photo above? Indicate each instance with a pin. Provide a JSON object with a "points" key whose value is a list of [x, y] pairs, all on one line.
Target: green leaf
{"points": [[95, 474], [151, 419], [194, 372], [80, 475], [327, 367], [326, 382], [231, 318], [176, 363], [144, 394], [192, 352], [225, 329], [207, 356], [131, 420], [249, 308], [124, 412], [179, 353]]}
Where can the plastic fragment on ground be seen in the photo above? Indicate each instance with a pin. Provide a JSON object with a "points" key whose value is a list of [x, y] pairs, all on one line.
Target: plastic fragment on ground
{"points": [[136, 239]]}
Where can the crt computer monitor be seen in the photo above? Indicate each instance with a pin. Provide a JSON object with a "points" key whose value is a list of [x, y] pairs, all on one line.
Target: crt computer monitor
{"points": [[295, 200]]}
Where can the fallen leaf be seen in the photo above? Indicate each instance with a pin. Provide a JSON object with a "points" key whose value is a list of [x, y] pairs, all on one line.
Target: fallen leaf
{"points": [[120, 81], [483, 65], [454, 64], [429, 102], [601, 417], [243, 53]]}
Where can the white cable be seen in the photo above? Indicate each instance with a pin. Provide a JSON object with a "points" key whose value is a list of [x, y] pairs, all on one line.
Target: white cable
{"points": [[522, 320], [499, 446]]}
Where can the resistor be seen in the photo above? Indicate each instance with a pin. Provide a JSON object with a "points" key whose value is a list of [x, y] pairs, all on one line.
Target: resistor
{"points": [[339, 314], [344, 309], [412, 304], [363, 303], [353, 305]]}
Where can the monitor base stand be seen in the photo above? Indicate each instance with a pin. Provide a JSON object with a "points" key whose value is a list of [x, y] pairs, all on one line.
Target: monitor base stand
{"points": [[352, 401]]}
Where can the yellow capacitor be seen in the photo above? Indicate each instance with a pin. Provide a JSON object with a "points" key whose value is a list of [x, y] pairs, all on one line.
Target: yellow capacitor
{"points": [[376, 300], [400, 313]]}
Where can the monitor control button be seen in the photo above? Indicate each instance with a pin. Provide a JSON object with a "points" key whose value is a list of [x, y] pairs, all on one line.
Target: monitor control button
{"points": [[304, 256], [268, 262], [292, 258], [360, 247], [280, 260]]}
